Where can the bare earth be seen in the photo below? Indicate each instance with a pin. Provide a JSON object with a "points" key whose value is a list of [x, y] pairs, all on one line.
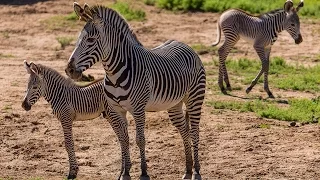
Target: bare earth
{"points": [[232, 146]]}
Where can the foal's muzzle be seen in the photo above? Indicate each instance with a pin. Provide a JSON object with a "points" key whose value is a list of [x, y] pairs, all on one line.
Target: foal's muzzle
{"points": [[26, 106], [299, 39]]}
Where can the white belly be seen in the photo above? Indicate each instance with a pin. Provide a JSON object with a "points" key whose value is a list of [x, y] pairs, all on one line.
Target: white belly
{"points": [[82, 117], [248, 39], [161, 106]]}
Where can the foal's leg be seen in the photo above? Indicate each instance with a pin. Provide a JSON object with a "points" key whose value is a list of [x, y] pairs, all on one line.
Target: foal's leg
{"points": [[66, 122], [179, 121], [230, 40], [263, 53]]}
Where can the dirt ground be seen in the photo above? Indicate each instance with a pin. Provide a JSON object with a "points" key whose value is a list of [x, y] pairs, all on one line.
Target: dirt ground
{"points": [[231, 144]]}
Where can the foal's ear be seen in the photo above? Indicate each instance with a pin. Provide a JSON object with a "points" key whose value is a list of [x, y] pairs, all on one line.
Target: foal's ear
{"points": [[27, 66], [34, 68], [288, 6], [300, 5], [82, 13]]}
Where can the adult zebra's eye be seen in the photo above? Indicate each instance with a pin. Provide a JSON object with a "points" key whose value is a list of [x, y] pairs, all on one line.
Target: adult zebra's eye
{"points": [[91, 40], [293, 25]]}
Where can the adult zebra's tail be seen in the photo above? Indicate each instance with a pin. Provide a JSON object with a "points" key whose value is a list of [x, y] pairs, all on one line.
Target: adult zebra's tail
{"points": [[218, 35]]}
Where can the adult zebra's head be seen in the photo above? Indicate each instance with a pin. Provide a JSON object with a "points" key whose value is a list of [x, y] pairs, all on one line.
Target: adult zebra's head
{"points": [[105, 34], [292, 22], [33, 92]]}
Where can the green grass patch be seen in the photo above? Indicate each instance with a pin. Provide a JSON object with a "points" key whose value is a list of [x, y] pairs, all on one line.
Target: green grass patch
{"points": [[311, 8], [301, 110], [281, 74], [203, 49], [61, 22], [6, 55], [64, 41], [128, 12]]}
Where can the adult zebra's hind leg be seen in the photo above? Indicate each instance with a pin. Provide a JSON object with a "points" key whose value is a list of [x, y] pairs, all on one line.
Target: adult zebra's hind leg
{"points": [[194, 104], [179, 121]]}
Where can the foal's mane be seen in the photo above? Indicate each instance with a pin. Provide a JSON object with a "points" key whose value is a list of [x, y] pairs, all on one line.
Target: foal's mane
{"points": [[113, 18], [271, 13], [47, 71]]}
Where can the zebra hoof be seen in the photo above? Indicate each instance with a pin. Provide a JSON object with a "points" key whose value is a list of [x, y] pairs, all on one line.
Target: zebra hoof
{"points": [[271, 95], [125, 177], [187, 176], [71, 177], [223, 90], [144, 177], [196, 177], [229, 88], [248, 90]]}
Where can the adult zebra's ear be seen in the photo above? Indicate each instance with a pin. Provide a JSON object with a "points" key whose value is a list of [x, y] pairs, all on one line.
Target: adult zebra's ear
{"points": [[288, 6], [82, 12], [300, 5], [27, 66]]}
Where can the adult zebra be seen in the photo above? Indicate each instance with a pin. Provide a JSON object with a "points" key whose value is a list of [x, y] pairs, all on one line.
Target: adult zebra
{"points": [[139, 80], [262, 31]]}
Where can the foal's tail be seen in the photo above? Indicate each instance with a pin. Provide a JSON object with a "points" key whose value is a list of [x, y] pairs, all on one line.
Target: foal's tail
{"points": [[218, 35]]}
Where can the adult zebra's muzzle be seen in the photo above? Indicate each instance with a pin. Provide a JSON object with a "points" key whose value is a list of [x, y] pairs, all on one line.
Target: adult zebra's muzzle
{"points": [[299, 39], [72, 72], [26, 106]]}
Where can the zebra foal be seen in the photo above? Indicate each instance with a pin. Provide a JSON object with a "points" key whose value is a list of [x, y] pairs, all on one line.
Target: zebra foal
{"points": [[262, 31], [138, 79], [69, 102]]}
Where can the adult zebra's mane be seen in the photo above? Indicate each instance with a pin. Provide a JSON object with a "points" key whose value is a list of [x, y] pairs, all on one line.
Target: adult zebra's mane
{"points": [[116, 20]]}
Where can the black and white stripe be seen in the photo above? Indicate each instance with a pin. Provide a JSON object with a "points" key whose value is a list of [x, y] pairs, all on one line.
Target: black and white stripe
{"points": [[261, 30], [139, 80]]}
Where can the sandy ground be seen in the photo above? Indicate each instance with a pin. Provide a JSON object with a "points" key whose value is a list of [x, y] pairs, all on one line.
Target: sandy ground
{"points": [[232, 146]]}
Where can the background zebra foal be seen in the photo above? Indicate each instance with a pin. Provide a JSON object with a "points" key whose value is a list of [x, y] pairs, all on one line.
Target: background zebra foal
{"points": [[262, 30], [69, 102]]}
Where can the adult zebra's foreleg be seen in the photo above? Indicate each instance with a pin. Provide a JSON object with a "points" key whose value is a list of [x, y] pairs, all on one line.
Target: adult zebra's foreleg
{"points": [[66, 121], [120, 127], [139, 117], [179, 121]]}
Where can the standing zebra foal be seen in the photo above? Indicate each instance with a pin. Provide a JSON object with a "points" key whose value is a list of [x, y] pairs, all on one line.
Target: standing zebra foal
{"points": [[262, 30], [139, 80], [69, 102]]}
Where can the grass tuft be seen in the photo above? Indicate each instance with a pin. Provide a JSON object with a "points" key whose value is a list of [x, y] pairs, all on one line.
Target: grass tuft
{"points": [[128, 12], [64, 41], [301, 110], [311, 8]]}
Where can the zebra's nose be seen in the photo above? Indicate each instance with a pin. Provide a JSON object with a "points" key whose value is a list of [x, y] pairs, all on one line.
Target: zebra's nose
{"points": [[299, 40], [26, 106]]}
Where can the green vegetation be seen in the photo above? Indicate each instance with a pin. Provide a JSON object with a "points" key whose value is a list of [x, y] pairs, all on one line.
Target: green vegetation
{"points": [[311, 8], [302, 110], [61, 22], [203, 49], [281, 74], [64, 41], [128, 12], [6, 55]]}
